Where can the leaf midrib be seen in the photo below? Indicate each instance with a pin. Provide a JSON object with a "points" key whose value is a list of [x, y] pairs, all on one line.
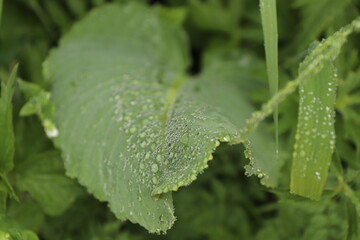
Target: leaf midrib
{"points": [[172, 94]]}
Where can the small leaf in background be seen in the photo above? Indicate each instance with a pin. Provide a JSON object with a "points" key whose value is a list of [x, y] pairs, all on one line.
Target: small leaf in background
{"points": [[347, 104], [3, 197], [323, 12], [310, 220], [315, 136], [11, 229], [39, 103], [353, 220], [12, 233], [7, 138], [227, 13], [43, 177], [350, 194]]}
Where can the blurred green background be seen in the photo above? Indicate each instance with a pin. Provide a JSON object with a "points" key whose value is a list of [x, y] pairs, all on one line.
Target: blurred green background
{"points": [[223, 203]]}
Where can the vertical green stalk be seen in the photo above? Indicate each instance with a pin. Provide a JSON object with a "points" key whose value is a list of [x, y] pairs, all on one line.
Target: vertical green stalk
{"points": [[269, 25], [1, 5]]}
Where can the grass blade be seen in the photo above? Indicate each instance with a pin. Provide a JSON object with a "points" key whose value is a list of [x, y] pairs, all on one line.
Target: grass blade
{"points": [[328, 49], [1, 6], [315, 135], [269, 25]]}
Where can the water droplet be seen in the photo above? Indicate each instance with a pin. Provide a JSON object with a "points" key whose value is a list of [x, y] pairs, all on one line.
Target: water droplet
{"points": [[154, 168], [133, 129], [155, 180], [302, 153], [185, 139]]}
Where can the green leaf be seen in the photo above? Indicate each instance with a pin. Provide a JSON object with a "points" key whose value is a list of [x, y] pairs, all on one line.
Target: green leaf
{"points": [[5, 236], [347, 104], [9, 230], [77, 7], [43, 176], [350, 194], [7, 139], [15, 234], [323, 12], [227, 13], [310, 220], [223, 85], [7, 187], [132, 126], [26, 214], [353, 219], [39, 103], [315, 136], [3, 197]]}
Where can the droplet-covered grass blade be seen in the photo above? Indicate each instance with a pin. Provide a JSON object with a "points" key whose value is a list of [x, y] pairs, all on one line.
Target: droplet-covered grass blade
{"points": [[315, 135], [327, 50]]}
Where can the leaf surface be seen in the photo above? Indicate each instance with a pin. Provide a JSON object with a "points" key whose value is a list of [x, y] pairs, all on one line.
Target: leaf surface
{"points": [[132, 126]]}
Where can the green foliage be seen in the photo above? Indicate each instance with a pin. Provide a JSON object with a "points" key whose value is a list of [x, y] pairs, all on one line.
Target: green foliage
{"points": [[227, 15], [38, 102], [42, 176], [7, 140], [322, 12], [137, 96]]}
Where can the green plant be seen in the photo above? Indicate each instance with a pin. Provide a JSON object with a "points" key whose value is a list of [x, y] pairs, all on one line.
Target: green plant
{"points": [[122, 112]]}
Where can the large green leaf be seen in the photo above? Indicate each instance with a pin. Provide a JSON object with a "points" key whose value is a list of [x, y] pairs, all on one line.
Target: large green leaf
{"points": [[132, 126]]}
